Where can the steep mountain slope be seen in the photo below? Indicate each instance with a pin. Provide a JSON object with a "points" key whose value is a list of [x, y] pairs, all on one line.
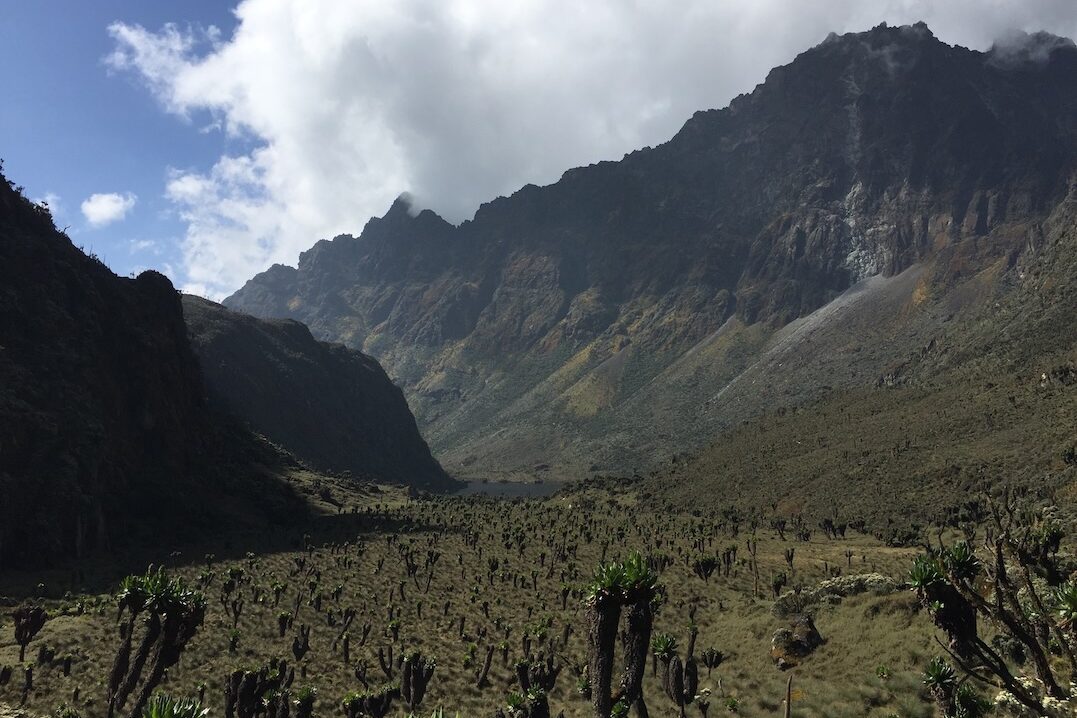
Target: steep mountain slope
{"points": [[331, 406], [636, 308], [104, 433], [992, 398]]}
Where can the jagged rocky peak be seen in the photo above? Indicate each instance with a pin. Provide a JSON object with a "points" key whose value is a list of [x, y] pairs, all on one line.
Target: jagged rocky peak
{"points": [[882, 35], [406, 207], [1037, 48], [277, 288], [401, 227]]}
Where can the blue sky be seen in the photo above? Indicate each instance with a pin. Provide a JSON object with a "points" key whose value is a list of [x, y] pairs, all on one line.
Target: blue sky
{"points": [[71, 127], [212, 154]]}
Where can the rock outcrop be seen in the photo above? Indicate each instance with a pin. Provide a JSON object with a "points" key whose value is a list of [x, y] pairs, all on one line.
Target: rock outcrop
{"points": [[791, 645], [331, 406]]}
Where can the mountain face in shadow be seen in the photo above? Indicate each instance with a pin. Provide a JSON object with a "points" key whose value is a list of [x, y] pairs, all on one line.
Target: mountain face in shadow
{"points": [[634, 309], [108, 434], [331, 406], [107, 437]]}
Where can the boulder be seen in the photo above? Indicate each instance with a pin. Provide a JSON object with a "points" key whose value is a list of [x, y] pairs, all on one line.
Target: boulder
{"points": [[792, 644]]}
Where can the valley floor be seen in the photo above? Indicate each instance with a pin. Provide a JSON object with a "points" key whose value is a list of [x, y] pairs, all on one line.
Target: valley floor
{"points": [[499, 576]]}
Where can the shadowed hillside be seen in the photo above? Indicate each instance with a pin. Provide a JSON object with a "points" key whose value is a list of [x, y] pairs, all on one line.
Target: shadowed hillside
{"points": [[106, 437], [331, 406]]}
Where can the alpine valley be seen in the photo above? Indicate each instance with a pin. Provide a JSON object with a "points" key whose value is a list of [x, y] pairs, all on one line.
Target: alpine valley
{"points": [[778, 417], [885, 214]]}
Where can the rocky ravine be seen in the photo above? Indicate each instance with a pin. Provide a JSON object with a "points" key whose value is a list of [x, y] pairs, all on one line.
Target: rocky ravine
{"points": [[606, 321]]}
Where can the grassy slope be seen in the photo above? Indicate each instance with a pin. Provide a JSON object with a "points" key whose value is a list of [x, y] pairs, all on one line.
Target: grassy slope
{"points": [[991, 397], [904, 453]]}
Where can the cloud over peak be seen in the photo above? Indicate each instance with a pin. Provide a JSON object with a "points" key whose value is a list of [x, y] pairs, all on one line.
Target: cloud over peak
{"points": [[458, 101]]}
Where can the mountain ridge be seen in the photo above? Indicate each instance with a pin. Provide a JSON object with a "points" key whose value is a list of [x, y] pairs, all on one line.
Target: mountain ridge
{"points": [[522, 336]]}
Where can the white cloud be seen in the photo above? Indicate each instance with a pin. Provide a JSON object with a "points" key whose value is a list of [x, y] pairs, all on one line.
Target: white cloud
{"points": [[458, 101], [102, 209], [142, 245]]}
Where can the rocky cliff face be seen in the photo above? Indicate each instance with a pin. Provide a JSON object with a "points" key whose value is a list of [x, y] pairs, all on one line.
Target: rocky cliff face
{"points": [[616, 316], [104, 432], [331, 406]]}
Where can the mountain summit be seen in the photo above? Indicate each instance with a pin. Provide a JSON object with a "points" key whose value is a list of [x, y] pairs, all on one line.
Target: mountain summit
{"points": [[809, 237]]}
